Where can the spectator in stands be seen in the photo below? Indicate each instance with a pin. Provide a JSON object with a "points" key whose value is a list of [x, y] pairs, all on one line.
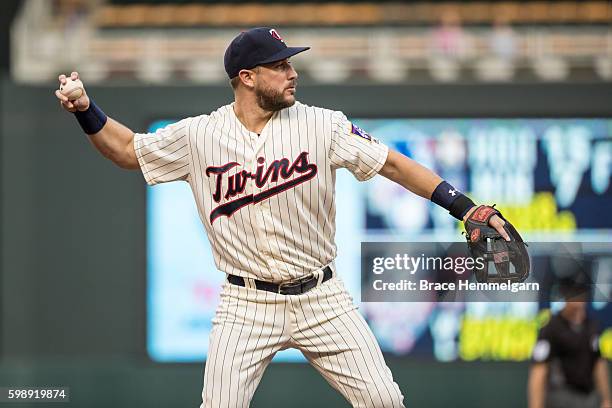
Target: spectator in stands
{"points": [[503, 42], [449, 38]]}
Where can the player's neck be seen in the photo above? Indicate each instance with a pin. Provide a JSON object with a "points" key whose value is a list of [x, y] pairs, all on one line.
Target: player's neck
{"points": [[251, 115]]}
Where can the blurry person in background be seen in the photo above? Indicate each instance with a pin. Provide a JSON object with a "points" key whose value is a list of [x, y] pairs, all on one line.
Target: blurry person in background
{"points": [[72, 30], [73, 13], [449, 39], [503, 42], [568, 370]]}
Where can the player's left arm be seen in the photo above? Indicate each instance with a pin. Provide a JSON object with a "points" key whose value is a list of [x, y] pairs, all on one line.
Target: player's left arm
{"points": [[425, 183], [410, 174], [602, 383]]}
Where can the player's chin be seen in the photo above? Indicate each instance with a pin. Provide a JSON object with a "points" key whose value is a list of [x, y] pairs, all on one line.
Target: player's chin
{"points": [[289, 97]]}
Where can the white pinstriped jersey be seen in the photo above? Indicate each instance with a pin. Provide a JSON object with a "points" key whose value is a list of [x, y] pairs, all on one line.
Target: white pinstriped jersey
{"points": [[266, 201]]}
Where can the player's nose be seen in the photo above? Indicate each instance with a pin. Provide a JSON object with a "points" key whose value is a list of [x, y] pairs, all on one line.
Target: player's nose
{"points": [[293, 75]]}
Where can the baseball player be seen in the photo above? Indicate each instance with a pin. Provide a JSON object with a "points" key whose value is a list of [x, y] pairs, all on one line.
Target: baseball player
{"points": [[262, 171]]}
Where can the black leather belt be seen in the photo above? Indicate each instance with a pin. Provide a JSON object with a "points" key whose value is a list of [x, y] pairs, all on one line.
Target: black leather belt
{"points": [[296, 287]]}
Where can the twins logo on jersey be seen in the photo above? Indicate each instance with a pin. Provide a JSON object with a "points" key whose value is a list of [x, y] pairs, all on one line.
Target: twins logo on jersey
{"points": [[236, 183]]}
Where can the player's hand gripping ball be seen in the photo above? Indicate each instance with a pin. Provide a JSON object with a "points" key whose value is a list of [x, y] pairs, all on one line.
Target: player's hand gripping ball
{"points": [[71, 93], [72, 89]]}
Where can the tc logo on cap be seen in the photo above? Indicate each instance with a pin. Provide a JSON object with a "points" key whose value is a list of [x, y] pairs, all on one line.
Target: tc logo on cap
{"points": [[274, 34]]}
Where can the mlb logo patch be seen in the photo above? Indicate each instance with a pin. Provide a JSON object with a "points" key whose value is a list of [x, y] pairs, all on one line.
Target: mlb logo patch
{"points": [[357, 131]]}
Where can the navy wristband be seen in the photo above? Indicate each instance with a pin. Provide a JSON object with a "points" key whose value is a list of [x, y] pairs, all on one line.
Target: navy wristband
{"points": [[448, 197], [461, 206], [91, 120]]}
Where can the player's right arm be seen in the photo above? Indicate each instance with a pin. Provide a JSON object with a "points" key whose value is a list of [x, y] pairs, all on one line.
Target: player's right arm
{"points": [[542, 354], [602, 382], [162, 156], [114, 140], [537, 385]]}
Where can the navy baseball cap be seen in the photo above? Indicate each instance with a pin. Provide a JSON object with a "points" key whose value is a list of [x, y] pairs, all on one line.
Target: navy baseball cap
{"points": [[254, 47]]}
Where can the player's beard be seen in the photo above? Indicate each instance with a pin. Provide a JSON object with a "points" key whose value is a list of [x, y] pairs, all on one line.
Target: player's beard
{"points": [[272, 100]]}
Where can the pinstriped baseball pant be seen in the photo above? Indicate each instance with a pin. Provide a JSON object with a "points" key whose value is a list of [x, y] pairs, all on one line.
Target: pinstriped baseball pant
{"points": [[251, 325]]}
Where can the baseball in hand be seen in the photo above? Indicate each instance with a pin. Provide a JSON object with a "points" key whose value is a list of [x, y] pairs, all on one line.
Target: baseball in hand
{"points": [[73, 90]]}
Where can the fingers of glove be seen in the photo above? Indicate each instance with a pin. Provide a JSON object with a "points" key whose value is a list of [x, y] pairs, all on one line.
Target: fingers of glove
{"points": [[497, 223]]}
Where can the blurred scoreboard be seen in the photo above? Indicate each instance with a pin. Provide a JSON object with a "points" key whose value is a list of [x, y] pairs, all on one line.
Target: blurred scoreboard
{"points": [[550, 177]]}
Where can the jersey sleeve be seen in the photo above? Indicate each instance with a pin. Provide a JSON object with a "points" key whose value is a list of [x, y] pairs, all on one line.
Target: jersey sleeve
{"points": [[354, 149], [544, 351], [164, 155]]}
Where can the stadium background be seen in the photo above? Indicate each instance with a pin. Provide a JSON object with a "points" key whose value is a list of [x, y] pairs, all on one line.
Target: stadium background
{"points": [[73, 244]]}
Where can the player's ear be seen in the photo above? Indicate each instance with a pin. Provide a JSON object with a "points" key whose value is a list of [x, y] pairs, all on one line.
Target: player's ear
{"points": [[247, 77]]}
